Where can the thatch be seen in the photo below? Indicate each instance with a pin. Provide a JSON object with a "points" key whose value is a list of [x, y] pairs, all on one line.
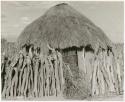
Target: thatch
{"points": [[62, 27], [8, 48]]}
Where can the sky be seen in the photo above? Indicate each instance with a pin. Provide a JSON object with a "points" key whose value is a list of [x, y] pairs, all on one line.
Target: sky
{"points": [[16, 15]]}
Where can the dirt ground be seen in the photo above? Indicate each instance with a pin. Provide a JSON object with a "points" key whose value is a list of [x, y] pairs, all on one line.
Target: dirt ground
{"points": [[107, 98], [51, 98]]}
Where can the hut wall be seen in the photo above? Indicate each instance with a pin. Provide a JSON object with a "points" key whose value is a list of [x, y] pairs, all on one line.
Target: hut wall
{"points": [[70, 57], [78, 58]]}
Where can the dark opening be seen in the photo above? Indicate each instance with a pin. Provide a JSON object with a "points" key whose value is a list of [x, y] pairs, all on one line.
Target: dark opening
{"points": [[89, 48], [109, 49], [70, 56], [27, 47]]}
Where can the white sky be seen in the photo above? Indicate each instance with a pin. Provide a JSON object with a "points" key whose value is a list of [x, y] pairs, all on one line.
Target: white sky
{"points": [[16, 15]]}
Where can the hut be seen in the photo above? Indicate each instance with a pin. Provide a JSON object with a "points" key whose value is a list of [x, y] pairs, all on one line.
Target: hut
{"points": [[85, 49], [80, 57], [65, 29]]}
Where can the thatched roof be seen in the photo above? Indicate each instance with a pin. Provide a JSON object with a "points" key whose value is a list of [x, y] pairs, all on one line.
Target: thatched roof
{"points": [[62, 27]]}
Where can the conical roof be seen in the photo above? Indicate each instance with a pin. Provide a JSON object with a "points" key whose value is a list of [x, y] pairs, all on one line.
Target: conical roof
{"points": [[62, 27]]}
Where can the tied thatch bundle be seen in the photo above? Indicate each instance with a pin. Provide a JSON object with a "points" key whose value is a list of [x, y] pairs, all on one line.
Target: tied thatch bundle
{"points": [[31, 75], [106, 77]]}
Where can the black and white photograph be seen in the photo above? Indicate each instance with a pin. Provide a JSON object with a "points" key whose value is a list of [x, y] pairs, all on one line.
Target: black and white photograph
{"points": [[62, 50]]}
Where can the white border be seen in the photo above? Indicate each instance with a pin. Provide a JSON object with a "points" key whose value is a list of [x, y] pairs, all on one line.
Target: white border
{"points": [[63, 0]]}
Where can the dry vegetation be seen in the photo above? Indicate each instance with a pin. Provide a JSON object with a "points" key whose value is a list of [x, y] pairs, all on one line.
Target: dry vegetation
{"points": [[8, 48], [31, 74]]}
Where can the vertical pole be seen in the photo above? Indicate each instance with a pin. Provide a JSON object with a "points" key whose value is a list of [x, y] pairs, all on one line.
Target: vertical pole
{"points": [[81, 60]]}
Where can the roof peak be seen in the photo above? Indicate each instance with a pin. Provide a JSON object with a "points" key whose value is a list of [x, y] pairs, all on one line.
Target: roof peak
{"points": [[61, 4]]}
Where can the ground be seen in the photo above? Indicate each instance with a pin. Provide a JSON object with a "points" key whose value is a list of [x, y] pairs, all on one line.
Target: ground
{"points": [[110, 98], [51, 98]]}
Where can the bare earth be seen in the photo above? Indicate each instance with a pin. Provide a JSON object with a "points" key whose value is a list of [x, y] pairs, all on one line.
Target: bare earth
{"points": [[110, 98], [51, 98]]}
